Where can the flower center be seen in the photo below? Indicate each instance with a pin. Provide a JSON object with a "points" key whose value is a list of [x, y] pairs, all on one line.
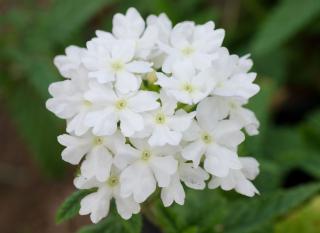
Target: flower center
{"points": [[206, 138], [117, 66], [87, 103], [187, 51], [113, 181], [232, 105], [145, 155], [121, 104], [160, 118], [188, 87], [98, 141]]}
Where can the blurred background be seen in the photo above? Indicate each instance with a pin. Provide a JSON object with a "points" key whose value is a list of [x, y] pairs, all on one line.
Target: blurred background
{"points": [[283, 37]]}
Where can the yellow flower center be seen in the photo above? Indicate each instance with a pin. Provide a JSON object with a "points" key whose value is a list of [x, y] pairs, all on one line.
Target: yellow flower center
{"points": [[117, 66], [113, 181], [188, 87], [207, 138], [98, 141], [121, 104], [87, 103], [187, 51], [145, 155], [160, 118]]}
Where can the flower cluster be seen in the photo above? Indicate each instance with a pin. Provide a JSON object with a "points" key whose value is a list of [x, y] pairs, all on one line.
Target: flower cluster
{"points": [[151, 105]]}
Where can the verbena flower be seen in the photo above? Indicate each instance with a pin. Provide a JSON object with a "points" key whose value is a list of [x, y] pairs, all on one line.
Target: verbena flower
{"points": [[151, 105]]}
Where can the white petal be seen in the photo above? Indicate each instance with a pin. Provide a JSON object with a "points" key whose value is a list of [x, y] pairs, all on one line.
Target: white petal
{"points": [[100, 94], [193, 132], [208, 115], [137, 180], [139, 67], [125, 155], [75, 149], [144, 101], [162, 135], [77, 124], [126, 207], [193, 177], [82, 182], [104, 122], [127, 26], [193, 152], [68, 64], [127, 82], [245, 187], [174, 192], [183, 71], [102, 75], [130, 122], [168, 103], [163, 168], [97, 163], [181, 122], [220, 160], [250, 167], [123, 50], [97, 204]]}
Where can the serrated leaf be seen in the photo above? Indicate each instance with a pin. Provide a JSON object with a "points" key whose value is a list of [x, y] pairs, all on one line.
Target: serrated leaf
{"points": [[113, 223], [249, 215], [288, 18], [71, 206]]}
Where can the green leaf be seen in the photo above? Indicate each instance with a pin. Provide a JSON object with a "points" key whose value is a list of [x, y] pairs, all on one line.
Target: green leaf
{"points": [[113, 223], [288, 18], [249, 215], [71, 206], [210, 211]]}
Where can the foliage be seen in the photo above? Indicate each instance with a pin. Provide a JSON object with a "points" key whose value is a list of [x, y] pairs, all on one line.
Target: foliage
{"points": [[71, 206], [115, 224], [283, 38]]}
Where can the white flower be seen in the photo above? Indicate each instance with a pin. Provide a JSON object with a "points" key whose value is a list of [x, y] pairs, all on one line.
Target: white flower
{"points": [[69, 64], [231, 77], [68, 102], [98, 153], [164, 26], [193, 177], [148, 166], [97, 204], [117, 63], [239, 179], [186, 85], [131, 26], [111, 108], [165, 126], [194, 43], [233, 107], [214, 137], [129, 100]]}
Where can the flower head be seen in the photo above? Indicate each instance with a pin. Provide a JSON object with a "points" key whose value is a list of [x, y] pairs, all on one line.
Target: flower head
{"points": [[152, 105]]}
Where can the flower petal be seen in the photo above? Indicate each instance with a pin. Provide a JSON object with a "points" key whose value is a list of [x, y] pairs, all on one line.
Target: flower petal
{"points": [[163, 168]]}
